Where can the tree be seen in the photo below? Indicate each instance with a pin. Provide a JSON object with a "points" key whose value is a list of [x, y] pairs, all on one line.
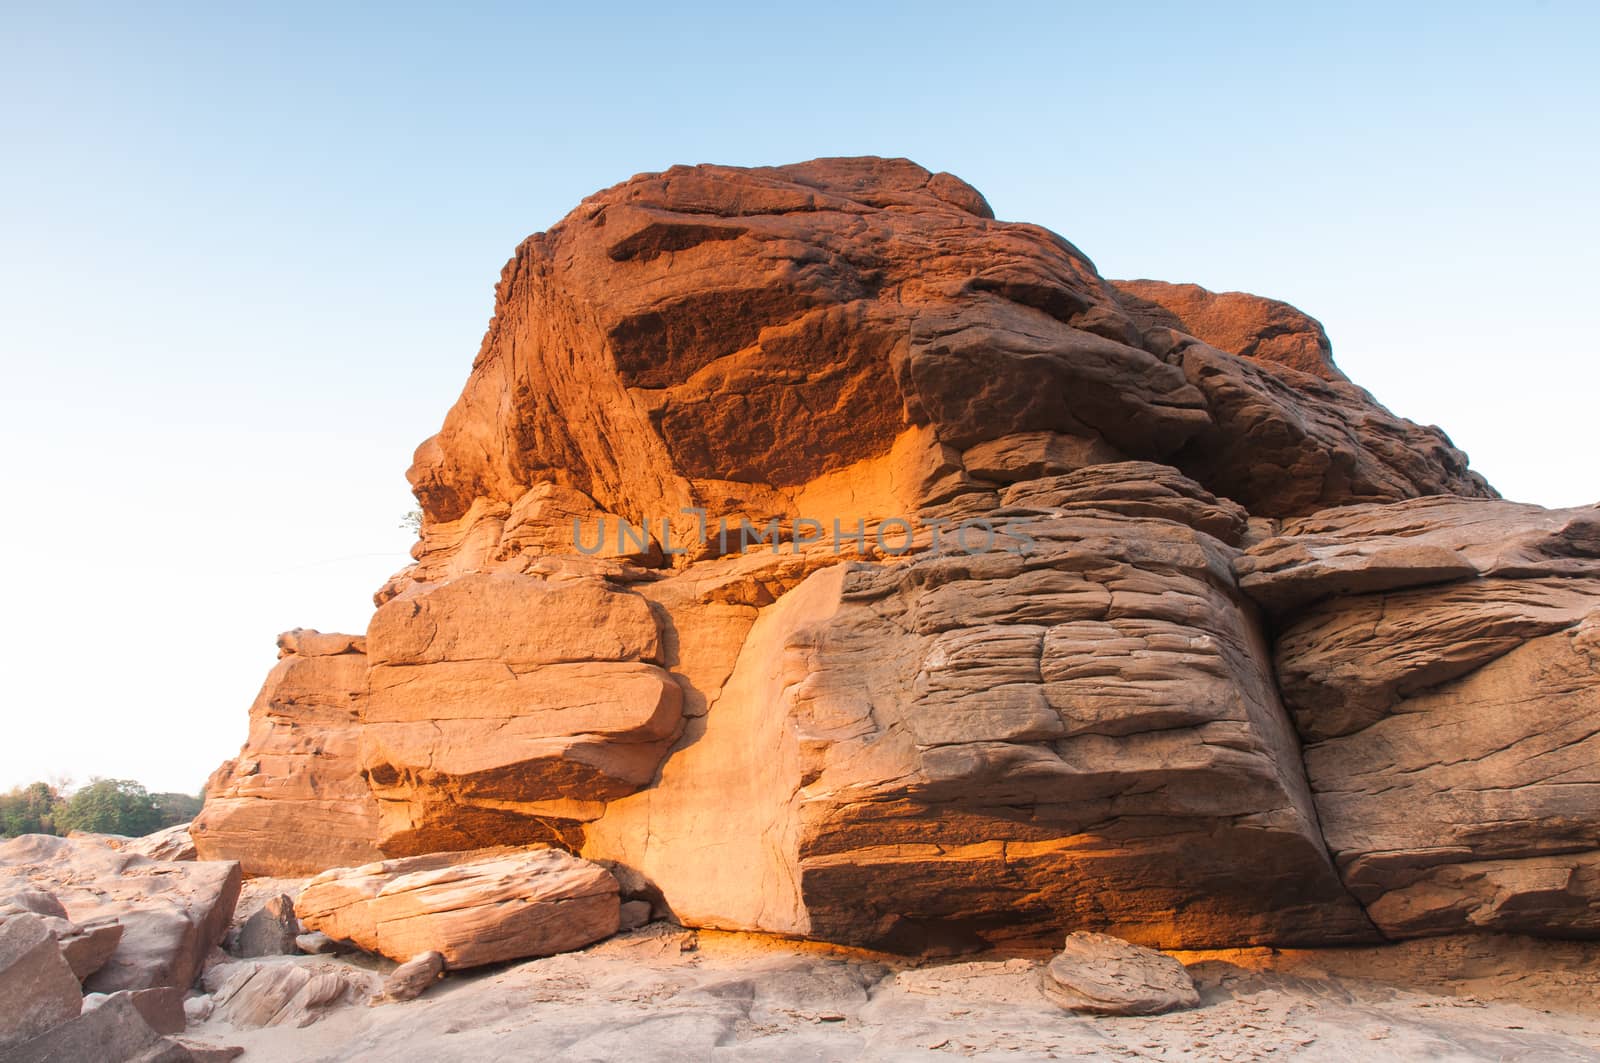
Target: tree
{"points": [[29, 809], [110, 806], [173, 809]]}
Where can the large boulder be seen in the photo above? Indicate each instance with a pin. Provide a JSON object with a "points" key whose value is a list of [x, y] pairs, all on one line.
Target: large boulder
{"points": [[294, 802], [1441, 659], [38, 990], [172, 914], [472, 908], [86, 947]]}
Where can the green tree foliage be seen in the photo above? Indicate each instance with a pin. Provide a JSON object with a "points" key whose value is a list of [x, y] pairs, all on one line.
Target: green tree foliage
{"points": [[110, 806], [105, 806], [29, 809], [176, 808]]}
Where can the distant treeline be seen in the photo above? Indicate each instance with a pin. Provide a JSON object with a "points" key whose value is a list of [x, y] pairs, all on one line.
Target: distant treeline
{"points": [[104, 806]]}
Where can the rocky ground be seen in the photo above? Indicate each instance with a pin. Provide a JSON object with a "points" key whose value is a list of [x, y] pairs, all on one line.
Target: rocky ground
{"points": [[662, 993]]}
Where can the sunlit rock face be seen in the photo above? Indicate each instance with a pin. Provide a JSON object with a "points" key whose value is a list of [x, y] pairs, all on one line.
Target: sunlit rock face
{"points": [[1081, 604], [294, 798]]}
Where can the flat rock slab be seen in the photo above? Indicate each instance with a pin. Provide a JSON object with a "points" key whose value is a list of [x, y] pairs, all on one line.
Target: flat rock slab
{"points": [[1105, 975], [172, 913], [476, 907]]}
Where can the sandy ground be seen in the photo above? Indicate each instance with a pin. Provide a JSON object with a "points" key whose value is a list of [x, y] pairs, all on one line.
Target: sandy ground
{"points": [[665, 994]]}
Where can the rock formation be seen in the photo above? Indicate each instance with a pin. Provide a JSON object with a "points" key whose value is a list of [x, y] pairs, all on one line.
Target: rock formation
{"points": [[294, 799], [839, 561], [172, 914], [472, 908]]}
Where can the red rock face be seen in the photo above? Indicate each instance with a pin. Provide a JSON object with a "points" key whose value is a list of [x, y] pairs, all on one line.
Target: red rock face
{"points": [[294, 800], [1263, 330], [1206, 561]]}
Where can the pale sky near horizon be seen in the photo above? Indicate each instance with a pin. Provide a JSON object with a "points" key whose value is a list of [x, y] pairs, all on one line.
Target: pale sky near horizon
{"points": [[247, 255]]}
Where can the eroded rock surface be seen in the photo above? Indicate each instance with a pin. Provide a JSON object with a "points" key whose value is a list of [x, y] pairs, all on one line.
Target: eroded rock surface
{"points": [[1076, 605], [172, 914], [472, 908], [294, 801], [1103, 975], [1442, 659]]}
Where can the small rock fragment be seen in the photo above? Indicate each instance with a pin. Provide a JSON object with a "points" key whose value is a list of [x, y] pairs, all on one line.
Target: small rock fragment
{"points": [[1104, 975], [412, 978], [635, 914], [271, 931], [316, 943]]}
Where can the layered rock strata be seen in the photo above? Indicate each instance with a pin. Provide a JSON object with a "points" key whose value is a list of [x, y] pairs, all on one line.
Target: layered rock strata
{"points": [[1076, 604]]}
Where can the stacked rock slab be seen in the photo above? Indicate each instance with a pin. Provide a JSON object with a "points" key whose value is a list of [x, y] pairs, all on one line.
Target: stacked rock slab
{"points": [[1441, 659], [510, 708], [1083, 711], [294, 801]]}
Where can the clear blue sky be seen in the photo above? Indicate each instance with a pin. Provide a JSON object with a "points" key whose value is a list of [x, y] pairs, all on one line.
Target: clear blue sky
{"points": [[247, 253]]}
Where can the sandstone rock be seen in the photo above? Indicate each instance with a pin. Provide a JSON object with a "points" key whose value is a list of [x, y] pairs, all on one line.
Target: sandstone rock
{"points": [[271, 931], [173, 843], [162, 1007], [1346, 663], [1031, 455], [1432, 653], [1263, 330], [1286, 444], [473, 907], [293, 803], [88, 946], [1476, 803], [254, 994], [38, 990], [317, 943], [113, 1033], [635, 914], [509, 707], [964, 749], [1104, 975], [1201, 547], [1370, 548], [1134, 489], [172, 914], [813, 311], [413, 978]]}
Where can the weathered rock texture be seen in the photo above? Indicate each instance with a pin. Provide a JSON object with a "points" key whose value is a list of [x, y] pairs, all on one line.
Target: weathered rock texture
{"points": [[1079, 605], [1442, 659], [38, 990], [294, 801], [1103, 975], [472, 908], [171, 914]]}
